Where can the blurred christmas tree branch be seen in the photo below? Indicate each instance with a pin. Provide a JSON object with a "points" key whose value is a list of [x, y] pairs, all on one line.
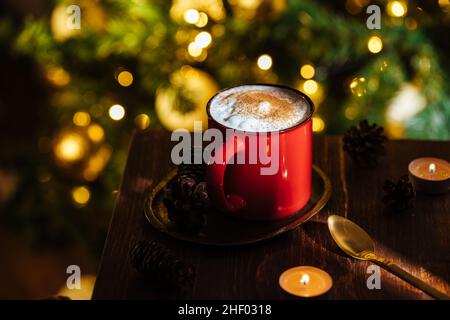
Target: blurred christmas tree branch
{"points": [[139, 64]]}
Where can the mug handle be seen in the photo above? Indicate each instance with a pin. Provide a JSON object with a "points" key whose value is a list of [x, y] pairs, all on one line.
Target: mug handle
{"points": [[215, 175]]}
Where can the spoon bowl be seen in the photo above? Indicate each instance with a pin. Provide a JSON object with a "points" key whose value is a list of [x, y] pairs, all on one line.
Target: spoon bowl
{"points": [[350, 237]]}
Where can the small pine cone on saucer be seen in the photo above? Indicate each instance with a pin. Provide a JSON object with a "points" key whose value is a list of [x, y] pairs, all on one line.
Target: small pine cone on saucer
{"points": [[189, 175]]}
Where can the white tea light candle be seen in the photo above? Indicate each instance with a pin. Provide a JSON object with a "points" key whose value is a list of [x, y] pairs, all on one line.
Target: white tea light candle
{"points": [[430, 175], [305, 281]]}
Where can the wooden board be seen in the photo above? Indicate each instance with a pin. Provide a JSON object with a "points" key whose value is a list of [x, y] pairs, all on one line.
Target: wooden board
{"points": [[418, 241]]}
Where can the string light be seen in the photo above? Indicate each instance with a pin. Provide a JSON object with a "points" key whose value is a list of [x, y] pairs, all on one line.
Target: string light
{"points": [[375, 44], [81, 119], [202, 20], [117, 112], [396, 8], [70, 147], [310, 86], [203, 39], [191, 16], [194, 49], [318, 124], [125, 78], [95, 133], [264, 62], [81, 196], [307, 71], [142, 121]]}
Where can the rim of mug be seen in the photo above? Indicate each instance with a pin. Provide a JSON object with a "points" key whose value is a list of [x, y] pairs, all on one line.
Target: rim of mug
{"points": [[298, 92]]}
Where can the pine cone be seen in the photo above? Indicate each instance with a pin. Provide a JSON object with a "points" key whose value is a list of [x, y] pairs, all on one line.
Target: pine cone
{"points": [[186, 198], [153, 259], [399, 196], [187, 214], [365, 143], [201, 194]]}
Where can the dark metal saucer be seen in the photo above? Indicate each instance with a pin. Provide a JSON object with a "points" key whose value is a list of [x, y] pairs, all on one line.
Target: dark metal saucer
{"points": [[223, 230]]}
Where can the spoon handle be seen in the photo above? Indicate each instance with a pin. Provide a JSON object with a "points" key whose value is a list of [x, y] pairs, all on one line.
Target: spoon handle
{"points": [[408, 277]]}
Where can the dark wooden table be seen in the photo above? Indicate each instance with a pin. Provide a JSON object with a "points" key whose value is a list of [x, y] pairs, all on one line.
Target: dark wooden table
{"points": [[418, 241]]}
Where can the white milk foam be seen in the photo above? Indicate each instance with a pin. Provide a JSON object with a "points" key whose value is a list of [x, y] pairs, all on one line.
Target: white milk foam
{"points": [[258, 108]]}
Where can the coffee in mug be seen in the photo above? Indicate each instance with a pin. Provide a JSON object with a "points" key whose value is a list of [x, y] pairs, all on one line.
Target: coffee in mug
{"points": [[258, 108]]}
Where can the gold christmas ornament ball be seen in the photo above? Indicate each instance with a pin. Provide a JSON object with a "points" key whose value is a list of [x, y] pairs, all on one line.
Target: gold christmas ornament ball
{"points": [[197, 12], [262, 10], [142, 121], [358, 86], [67, 21], [183, 102]]}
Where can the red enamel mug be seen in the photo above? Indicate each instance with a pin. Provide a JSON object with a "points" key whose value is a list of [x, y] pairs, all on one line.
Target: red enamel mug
{"points": [[240, 189]]}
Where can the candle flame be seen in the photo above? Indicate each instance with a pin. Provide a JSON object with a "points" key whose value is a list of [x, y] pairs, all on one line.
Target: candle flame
{"points": [[304, 279], [432, 168]]}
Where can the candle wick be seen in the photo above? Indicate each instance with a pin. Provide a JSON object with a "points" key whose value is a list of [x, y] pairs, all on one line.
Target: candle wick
{"points": [[432, 168], [304, 279]]}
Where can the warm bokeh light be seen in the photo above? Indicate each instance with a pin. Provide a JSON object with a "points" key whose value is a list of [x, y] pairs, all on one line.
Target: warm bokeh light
{"points": [[358, 86], [411, 24], [125, 78], [265, 62], [84, 293], [318, 124], [96, 133], [58, 76], [203, 39], [202, 20], [396, 8], [117, 112], [191, 16], [310, 86], [194, 49], [97, 163], [307, 71], [81, 119], [355, 6], [351, 113], [81, 195], [142, 121], [445, 5], [375, 44], [70, 147]]}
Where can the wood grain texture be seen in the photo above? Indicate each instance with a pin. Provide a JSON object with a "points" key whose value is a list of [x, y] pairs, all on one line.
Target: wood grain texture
{"points": [[418, 241]]}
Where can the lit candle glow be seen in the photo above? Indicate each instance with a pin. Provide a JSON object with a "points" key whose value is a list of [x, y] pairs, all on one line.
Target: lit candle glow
{"points": [[430, 175], [305, 281], [432, 168]]}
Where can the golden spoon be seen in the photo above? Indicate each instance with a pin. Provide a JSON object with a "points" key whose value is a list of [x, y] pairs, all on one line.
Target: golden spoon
{"points": [[354, 241]]}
